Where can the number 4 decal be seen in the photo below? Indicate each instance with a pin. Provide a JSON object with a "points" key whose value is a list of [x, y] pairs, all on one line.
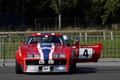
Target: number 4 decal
{"points": [[85, 53]]}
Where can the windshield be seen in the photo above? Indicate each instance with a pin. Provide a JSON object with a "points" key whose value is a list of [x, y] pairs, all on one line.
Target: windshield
{"points": [[45, 39]]}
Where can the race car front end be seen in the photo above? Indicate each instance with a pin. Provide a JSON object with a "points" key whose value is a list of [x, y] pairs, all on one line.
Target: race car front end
{"points": [[59, 63], [44, 52]]}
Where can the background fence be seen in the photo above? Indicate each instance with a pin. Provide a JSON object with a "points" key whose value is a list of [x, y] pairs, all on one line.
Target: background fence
{"points": [[10, 41], [72, 22]]}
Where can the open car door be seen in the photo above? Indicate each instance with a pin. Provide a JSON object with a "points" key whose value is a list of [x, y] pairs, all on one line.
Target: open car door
{"points": [[85, 53], [88, 53]]}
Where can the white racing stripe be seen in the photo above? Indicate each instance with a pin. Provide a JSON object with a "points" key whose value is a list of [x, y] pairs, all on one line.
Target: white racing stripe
{"points": [[40, 51], [52, 50]]}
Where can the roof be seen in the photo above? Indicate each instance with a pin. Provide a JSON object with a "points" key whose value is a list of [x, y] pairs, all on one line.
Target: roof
{"points": [[45, 33]]}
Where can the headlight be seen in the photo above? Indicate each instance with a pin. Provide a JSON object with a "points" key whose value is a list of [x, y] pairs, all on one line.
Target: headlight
{"points": [[62, 55], [59, 55], [55, 56], [30, 55], [33, 56], [36, 56]]}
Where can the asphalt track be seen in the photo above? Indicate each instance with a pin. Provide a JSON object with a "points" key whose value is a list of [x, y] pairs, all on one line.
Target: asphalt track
{"points": [[85, 71]]}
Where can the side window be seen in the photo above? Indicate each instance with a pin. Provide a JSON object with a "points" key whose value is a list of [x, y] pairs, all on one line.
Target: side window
{"points": [[29, 39], [33, 40]]}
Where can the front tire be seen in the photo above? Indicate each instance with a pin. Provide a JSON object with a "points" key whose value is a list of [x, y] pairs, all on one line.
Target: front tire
{"points": [[73, 68], [18, 68]]}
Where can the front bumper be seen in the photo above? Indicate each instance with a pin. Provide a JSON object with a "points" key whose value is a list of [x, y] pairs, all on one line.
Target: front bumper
{"points": [[33, 66], [45, 68]]}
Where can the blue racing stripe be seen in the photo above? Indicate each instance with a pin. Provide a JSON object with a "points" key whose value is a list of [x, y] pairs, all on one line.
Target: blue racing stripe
{"points": [[46, 48], [46, 53]]}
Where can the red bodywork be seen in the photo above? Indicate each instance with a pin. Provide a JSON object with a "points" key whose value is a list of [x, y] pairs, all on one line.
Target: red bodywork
{"points": [[73, 54]]}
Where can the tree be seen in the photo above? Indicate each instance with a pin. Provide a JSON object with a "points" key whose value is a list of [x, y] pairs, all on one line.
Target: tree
{"points": [[60, 5], [102, 12], [93, 9], [111, 11]]}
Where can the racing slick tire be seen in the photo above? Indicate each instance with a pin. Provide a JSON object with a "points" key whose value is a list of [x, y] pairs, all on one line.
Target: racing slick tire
{"points": [[18, 68], [73, 68]]}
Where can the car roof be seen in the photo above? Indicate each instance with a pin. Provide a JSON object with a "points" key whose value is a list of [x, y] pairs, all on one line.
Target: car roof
{"points": [[45, 33]]}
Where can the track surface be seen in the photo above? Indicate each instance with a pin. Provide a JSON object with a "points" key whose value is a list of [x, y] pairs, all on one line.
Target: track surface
{"points": [[85, 71]]}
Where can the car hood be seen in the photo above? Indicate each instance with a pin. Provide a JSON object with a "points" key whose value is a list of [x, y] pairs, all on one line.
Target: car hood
{"points": [[46, 50]]}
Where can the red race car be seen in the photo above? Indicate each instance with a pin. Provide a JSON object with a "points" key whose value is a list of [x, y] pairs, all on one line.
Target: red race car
{"points": [[52, 52]]}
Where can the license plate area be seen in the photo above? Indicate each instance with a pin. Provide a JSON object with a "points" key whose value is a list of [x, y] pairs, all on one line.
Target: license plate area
{"points": [[46, 69]]}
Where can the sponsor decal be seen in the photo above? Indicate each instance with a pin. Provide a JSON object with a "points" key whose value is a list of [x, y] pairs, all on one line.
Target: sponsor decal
{"points": [[45, 44], [61, 68], [31, 68], [46, 69], [46, 48]]}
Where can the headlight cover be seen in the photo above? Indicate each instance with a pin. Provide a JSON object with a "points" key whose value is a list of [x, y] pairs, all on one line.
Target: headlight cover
{"points": [[36, 55], [30, 56], [33, 55], [59, 55]]}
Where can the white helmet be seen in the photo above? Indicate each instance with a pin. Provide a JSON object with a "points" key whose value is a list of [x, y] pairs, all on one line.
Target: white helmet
{"points": [[66, 38]]}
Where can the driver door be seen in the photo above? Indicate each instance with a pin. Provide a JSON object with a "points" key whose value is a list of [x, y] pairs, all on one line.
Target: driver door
{"points": [[89, 53]]}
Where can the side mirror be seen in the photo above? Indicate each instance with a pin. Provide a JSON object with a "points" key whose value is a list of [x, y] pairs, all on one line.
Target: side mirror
{"points": [[77, 42]]}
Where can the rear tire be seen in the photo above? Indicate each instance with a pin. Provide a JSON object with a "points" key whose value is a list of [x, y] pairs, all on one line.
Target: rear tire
{"points": [[18, 68]]}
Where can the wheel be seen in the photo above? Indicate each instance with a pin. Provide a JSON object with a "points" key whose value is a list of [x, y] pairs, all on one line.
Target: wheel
{"points": [[73, 68], [18, 68]]}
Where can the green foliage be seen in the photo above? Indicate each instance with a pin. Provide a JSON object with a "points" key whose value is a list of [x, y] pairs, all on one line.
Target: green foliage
{"points": [[112, 10], [59, 5], [99, 12]]}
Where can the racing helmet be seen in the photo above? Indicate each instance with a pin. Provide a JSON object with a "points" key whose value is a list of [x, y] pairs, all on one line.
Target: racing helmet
{"points": [[66, 38]]}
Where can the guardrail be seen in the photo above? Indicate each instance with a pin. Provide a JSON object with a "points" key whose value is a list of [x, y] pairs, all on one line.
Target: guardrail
{"points": [[70, 32], [11, 41]]}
